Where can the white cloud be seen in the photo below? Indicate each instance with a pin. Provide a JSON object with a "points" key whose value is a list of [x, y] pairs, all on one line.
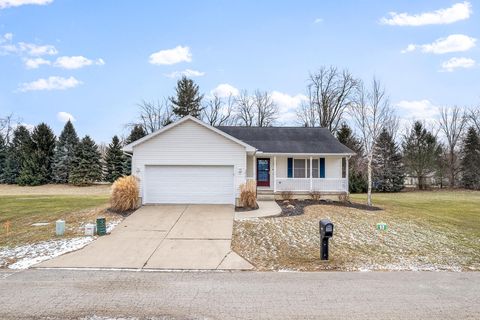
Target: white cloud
{"points": [[457, 12], [75, 62], [34, 63], [65, 116], [452, 43], [455, 63], [16, 3], [171, 56], [23, 48], [187, 73], [317, 20], [225, 90], [417, 110], [51, 83], [287, 105]]}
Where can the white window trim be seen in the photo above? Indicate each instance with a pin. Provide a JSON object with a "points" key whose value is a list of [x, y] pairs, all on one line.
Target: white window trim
{"points": [[307, 164]]}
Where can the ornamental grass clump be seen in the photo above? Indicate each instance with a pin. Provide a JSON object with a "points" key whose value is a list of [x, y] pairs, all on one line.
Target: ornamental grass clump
{"points": [[124, 194], [248, 194]]}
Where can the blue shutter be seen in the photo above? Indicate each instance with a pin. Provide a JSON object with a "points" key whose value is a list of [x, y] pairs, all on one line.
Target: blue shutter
{"points": [[322, 167], [290, 167]]}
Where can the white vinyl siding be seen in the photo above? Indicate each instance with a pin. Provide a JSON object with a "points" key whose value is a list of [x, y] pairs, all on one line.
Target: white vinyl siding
{"points": [[189, 184], [191, 144]]}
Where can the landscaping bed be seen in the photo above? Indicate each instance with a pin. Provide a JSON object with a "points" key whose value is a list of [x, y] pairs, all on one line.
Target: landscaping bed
{"points": [[437, 231], [296, 207]]}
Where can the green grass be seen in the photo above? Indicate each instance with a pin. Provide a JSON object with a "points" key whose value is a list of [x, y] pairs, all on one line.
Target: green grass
{"points": [[21, 211], [453, 210]]}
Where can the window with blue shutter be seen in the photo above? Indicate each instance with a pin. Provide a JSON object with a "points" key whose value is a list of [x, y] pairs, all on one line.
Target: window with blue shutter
{"points": [[290, 167], [322, 167]]}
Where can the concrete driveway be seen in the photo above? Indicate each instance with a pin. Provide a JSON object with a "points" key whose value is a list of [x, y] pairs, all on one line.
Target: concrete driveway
{"points": [[163, 237]]}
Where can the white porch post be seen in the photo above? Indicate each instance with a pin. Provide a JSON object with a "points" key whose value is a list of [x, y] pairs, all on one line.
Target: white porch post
{"points": [[274, 174], [254, 168], [347, 172], [311, 177]]}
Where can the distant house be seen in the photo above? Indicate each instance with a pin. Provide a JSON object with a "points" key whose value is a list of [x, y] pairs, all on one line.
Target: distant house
{"points": [[190, 161]]}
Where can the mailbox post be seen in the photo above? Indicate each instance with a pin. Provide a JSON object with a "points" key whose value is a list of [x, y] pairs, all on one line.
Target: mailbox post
{"points": [[326, 232]]}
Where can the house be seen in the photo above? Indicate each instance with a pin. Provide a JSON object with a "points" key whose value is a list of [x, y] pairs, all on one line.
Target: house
{"points": [[189, 161]]}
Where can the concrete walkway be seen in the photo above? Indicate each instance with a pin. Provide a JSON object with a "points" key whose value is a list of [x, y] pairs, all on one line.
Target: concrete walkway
{"points": [[265, 209], [190, 237]]}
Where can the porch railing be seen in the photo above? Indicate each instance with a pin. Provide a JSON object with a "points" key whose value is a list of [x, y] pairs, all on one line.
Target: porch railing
{"points": [[314, 184]]}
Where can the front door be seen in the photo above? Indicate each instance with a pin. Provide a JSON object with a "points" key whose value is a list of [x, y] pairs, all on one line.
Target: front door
{"points": [[263, 172]]}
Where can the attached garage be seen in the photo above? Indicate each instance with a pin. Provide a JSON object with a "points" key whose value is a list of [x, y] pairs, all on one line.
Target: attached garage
{"points": [[189, 184]]}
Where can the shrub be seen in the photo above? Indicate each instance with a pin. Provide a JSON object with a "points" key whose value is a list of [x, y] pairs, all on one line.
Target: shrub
{"points": [[344, 197], [286, 195], [248, 194], [124, 194], [315, 195]]}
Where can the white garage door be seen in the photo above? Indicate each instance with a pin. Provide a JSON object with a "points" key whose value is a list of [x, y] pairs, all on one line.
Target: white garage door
{"points": [[189, 184]]}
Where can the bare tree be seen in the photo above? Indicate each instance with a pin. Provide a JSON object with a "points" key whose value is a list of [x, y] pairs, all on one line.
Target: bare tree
{"points": [[8, 123], [474, 117], [245, 109], [266, 109], [371, 112], [306, 115], [452, 123], [330, 93], [153, 115], [218, 111]]}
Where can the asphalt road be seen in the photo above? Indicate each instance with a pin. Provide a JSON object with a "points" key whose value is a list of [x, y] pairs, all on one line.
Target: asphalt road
{"points": [[74, 294]]}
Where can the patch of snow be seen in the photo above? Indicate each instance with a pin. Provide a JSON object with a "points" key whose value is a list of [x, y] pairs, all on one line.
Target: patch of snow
{"points": [[111, 225], [40, 224], [28, 255]]}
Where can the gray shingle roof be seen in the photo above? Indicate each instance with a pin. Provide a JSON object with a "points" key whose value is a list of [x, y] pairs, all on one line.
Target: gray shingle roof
{"points": [[288, 139]]}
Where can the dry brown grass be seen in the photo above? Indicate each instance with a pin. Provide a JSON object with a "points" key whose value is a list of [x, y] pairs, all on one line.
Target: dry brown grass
{"points": [[55, 189], [124, 194], [315, 195], [248, 194], [287, 195]]}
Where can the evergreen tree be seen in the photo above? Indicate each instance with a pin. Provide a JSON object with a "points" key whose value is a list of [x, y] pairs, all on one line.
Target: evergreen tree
{"points": [[470, 163], [420, 153], [37, 168], [136, 133], [85, 166], [17, 153], [114, 160], [388, 171], [188, 99], [64, 153], [3, 156], [357, 180]]}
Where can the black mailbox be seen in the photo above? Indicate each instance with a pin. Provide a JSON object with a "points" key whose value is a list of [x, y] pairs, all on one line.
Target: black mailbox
{"points": [[326, 232]]}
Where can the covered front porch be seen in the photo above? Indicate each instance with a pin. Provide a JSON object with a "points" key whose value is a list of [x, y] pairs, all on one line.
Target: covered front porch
{"points": [[299, 173]]}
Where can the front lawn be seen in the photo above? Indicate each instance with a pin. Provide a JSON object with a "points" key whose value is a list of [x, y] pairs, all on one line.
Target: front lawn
{"points": [[23, 211], [437, 230]]}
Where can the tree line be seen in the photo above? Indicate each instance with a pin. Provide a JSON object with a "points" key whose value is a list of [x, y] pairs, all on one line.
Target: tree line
{"points": [[359, 114]]}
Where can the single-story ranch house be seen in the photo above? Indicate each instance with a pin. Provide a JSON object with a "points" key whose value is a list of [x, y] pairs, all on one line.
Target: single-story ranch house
{"points": [[190, 161]]}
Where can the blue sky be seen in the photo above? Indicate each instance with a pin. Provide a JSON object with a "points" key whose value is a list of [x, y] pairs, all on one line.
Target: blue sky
{"points": [[93, 59]]}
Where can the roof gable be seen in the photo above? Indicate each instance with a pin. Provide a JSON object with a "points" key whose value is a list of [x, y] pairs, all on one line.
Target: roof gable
{"points": [[129, 147]]}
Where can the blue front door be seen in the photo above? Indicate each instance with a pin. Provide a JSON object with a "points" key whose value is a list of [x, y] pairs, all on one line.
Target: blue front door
{"points": [[263, 172]]}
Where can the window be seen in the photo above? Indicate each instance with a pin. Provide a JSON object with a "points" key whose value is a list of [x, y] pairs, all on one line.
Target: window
{"points": [[315, 170], [299, 168], [344, 167]]}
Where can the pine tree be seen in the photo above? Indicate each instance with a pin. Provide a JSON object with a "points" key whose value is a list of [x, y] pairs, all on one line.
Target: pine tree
{"points": [[17, 153], [136, 133], [114, 160], [470, 163], [37, 168], [85, 166], [357, 180], [3, 156], [420, 152], [388, 171], [64, 153], [188, 99]]}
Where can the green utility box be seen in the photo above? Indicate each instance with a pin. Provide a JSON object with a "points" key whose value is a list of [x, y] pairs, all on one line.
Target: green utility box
{"points": [[101, 226]]}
